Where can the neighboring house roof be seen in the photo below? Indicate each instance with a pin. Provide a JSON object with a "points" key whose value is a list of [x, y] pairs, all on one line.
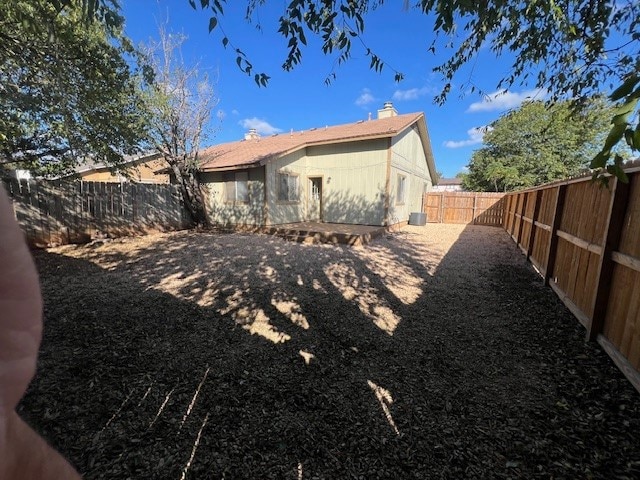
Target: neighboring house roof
{"points": [[257, 151], [91, 165], [449, 181]]}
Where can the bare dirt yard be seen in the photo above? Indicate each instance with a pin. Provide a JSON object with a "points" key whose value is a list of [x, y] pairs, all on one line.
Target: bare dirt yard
{"points": [[431, 353]]}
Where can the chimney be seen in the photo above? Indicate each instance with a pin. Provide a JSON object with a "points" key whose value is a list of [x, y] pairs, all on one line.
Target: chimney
{"points": [[252, 134], [387, 111]]}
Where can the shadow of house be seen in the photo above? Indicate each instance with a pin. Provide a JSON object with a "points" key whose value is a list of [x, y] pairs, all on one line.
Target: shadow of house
{"points": [[185, 353], [342, 207], [386, 163]]}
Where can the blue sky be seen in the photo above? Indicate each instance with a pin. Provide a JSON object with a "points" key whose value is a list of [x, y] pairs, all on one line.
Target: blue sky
{"points": [[300, 100]]}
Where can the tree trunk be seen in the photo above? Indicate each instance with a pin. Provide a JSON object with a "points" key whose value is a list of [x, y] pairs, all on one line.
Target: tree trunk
{"points": [[191, 194]]}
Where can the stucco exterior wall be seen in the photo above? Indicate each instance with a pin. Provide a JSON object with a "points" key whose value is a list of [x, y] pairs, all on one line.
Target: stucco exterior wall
{"points": [[279, 212], [353, 182], [408, 159], [221, 212]]}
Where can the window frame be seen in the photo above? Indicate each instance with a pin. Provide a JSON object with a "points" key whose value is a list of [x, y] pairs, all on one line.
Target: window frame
{"points": [[232, 178], [279, 190], [401, 189]]}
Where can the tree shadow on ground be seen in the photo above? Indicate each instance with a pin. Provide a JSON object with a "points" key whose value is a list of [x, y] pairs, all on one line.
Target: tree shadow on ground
{"points": [[195, 355]]}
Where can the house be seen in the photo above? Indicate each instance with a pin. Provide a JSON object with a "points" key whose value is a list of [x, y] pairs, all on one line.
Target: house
{"points": [[448, 185], [371, 172], [147, 168]]}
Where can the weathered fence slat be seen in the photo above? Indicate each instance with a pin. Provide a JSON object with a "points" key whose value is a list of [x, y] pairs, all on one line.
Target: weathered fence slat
{"points": [[478, 208], [553, 240], [74, 212], [612, 234]]}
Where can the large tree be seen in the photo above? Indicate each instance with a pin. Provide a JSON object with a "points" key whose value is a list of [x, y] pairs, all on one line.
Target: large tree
{"points": [[67, 91], [573, 49], [536, 144], [180, 100]]}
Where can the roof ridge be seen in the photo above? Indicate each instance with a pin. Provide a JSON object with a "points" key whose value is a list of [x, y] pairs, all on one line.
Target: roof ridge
{"points": [[246, 152]]}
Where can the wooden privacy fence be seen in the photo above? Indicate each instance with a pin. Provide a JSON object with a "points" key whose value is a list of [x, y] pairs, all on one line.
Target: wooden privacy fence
{"points": [[478, 208], [585, 241], [61, 212]]}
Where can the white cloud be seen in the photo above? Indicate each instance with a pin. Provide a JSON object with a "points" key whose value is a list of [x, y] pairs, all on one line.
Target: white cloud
{"points": [[505, 100], [365, 98], [235, 112], [262, 126], [476, 134], [411, 94]]}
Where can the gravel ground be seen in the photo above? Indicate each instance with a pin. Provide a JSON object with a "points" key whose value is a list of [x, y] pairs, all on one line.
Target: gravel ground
{"points": [[434, 352]]}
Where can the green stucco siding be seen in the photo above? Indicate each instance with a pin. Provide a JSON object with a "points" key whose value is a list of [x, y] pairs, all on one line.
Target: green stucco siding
{"points": [[221, 212], [353, 181], [408, 159]]}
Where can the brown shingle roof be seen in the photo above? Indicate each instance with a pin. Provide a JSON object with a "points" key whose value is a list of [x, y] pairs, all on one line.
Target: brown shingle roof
{"points": [[450, 181], [257, 151]]}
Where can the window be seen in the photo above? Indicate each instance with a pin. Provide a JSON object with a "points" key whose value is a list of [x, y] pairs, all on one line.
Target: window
{"points": [[401, 193], [287, 187], [236, 186]]}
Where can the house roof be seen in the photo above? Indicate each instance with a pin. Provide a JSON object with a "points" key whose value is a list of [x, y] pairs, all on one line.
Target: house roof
{"points": [[449, 181], [258, 151], [91, 165]]}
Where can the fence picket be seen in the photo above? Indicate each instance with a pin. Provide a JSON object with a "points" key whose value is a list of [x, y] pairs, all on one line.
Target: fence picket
{"points": [[478, 208], [592, 256], [612, 235], [73, 212]]}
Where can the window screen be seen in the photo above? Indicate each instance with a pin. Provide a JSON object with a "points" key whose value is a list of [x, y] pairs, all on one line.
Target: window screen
{"points": [[402, 189], [287, 187], [236, 187]]}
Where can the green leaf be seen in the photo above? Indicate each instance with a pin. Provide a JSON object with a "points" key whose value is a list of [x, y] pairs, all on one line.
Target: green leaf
{"points": [[615, 135], [600, 160], [619, 170], [628, 137], [625, 89], [635, 140], [624, 110], [225, 42], [213, 22]]}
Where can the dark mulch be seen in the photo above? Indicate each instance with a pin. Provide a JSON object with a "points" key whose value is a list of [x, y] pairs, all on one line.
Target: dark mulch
{"points": [[486, 375]]}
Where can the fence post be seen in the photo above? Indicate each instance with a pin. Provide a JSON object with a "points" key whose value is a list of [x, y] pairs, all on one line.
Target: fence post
{"points": [[611, 241], [506, 215], [512, 213], [516, 232], [534, 219], [475, 199], [553, 237], [441, 213], [522, 212]]}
